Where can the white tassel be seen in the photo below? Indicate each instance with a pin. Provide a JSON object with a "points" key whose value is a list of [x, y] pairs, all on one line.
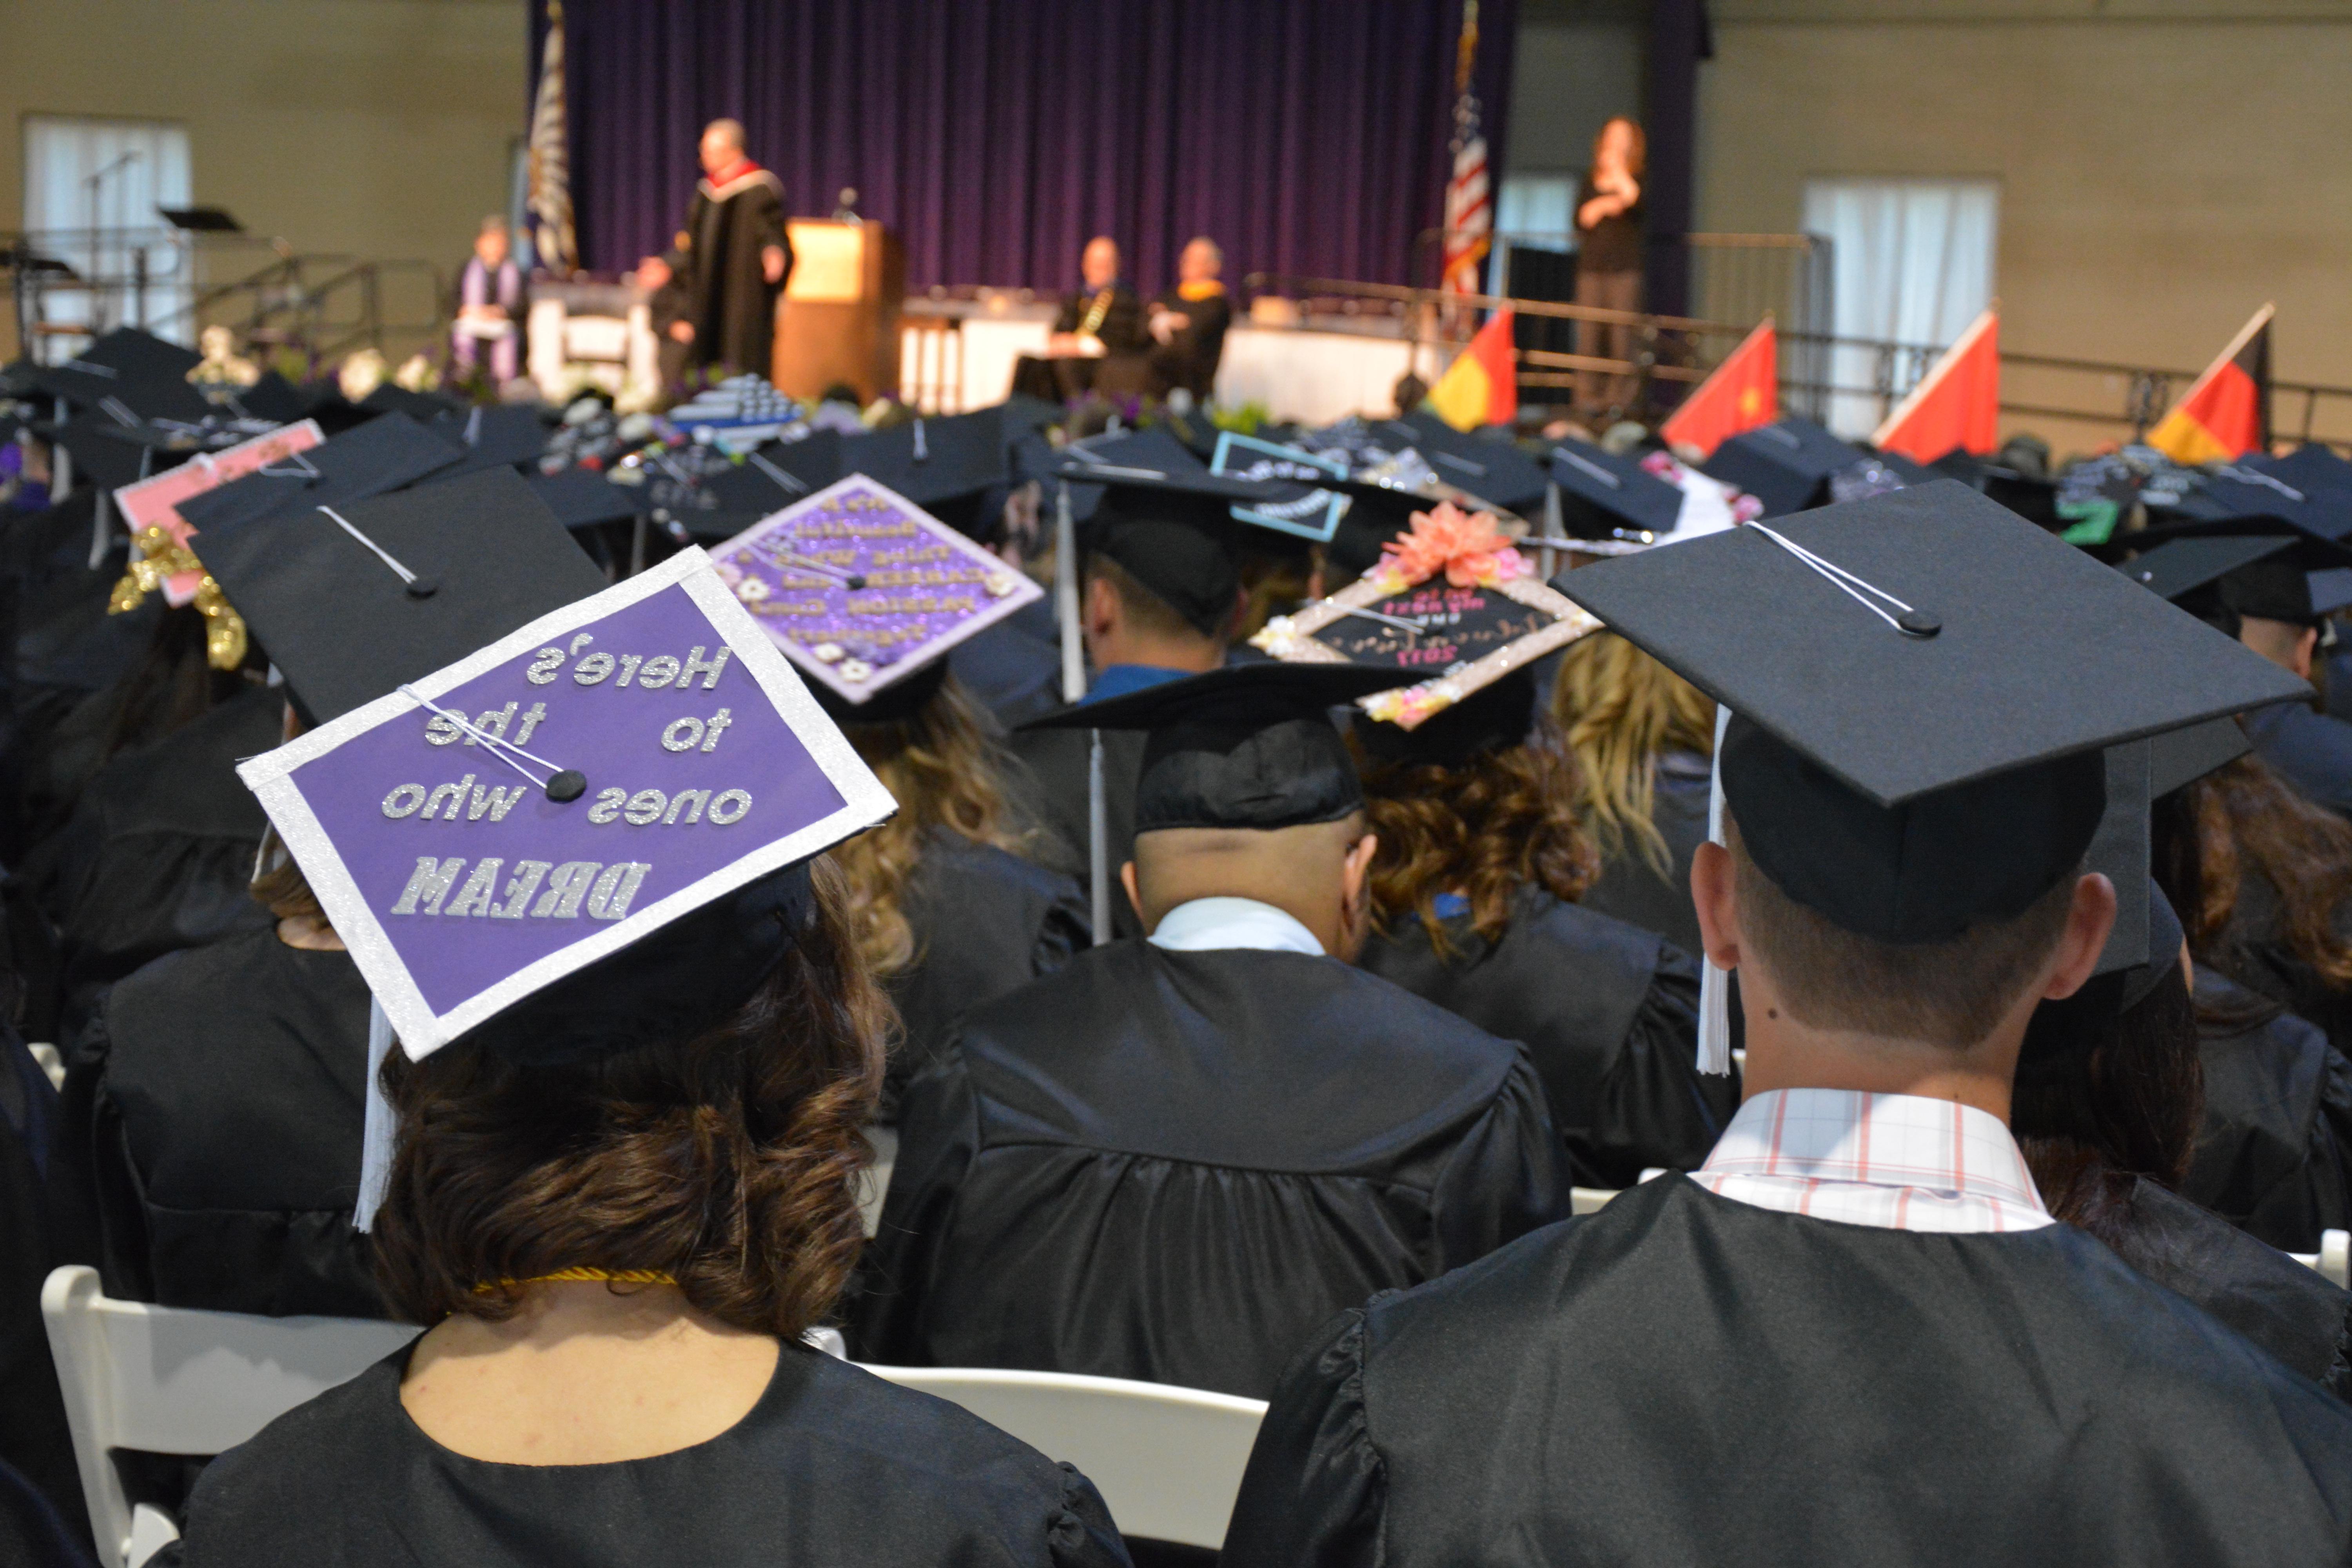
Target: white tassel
{"points": [[1714, 984], [376, 1134]]}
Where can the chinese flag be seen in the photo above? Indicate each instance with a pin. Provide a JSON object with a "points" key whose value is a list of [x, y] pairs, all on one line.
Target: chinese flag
{"points": [[2227, 413], [1956, 405], [1742, 392], [1482, 386]]}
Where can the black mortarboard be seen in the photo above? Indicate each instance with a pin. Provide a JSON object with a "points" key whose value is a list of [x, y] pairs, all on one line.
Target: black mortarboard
{"points": [[501, 436], [345, 626], [581, 499], [933, 461], [2221, 576], [2314, 466], [1604, 496], [273, 398], [2183, 756], [425, 407], [1909, 786], [1184, 566], [1495, 471], [112, 454], [1787, 465], [384, 454], [1496, 717], [1150, 474], [2239, 498], [142, 372], [1249, 745], [730, 497]]}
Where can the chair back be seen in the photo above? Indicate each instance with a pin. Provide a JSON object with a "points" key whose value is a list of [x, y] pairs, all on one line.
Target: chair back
{"points": [[1169, 1461], [171, 1380]]}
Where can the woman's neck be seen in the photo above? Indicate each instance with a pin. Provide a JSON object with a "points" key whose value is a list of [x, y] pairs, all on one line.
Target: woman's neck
{"points": [[585, 1373]]}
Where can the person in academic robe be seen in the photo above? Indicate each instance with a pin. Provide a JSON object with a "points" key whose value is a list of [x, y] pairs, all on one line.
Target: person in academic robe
{"points": [[2267, 604], [1475, 894], [2261, 875], [490, 307], [2108, 1090], [1642, 738], [732, 258], [1855, 1335], [1232, 1091], [35, 1445], [1098, 342], [952, 910], [1188, 324], [1157, 598]]}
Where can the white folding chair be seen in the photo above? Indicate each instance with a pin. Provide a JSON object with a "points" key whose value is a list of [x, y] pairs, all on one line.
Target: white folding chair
{"points": [[1169, 1461], [168, 1380], [2334, 1258], [1588, 1200]]}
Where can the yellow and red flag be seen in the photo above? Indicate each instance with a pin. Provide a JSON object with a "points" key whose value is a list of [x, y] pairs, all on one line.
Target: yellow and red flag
{"points": [[1740, 393], [1482, 386], [2227, 413], [1956, 407]]}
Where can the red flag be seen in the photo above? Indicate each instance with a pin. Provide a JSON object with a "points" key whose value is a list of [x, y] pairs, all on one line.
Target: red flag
{"points": [[2227, 413], [1956, 407], [1482, 386], [1741, 394]]}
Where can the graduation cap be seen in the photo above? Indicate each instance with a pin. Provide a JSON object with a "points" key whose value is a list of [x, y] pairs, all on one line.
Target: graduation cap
{"points": [[503, 436], [384, 454], [1604, 496], [351, 598], [2244, 498], [1495, 471], [2278, 577], [1921, 687], [581, 499], [1299, 498], [2313, 467], [1248, 745], [1786, 465], [147, 376], [391, 398], [934, 462], [862, 589], [1452, 609]]}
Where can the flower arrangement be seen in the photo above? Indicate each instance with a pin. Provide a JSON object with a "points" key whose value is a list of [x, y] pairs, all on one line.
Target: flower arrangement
{"points": [[1471, 550]]}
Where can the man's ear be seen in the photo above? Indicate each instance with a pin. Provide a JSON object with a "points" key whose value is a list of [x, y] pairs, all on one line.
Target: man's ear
{"points": [[1712, 879], [2089, 919], [1134, 897], [1100, 603]]}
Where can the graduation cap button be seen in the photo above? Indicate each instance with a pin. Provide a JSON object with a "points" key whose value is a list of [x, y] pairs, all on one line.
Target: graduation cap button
{"points": [[422, 588], [1918, 622], [569, 784]]}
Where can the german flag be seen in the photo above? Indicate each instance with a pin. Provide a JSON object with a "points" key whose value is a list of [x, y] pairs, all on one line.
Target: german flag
{"points": [[1741, 394], [1482, 386], [2227, 413]]}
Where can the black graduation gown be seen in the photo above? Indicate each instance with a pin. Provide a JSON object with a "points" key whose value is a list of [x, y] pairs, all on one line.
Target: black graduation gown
{"points": [[214, 1109], [728, 295], [1056, 764], [1173, 1165], [985, 923], [1608, 1012], [2288, 1309], [832, 1465], [34, 1443], [1630, 887], [2311, 751], [1189, 359], [2272, 1152], [1683, 1378], [158, 854]]}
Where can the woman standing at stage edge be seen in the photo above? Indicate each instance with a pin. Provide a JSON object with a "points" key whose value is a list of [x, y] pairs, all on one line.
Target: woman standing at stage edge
{"points": [[1608, 231]]}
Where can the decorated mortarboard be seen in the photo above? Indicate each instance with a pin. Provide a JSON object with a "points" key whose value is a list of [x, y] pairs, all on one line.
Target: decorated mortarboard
{"points": [[1786, 465], [861, 588], [1921, 687], [1301, 500], [1452, 607], [386, 453], [1149, 475], [349, 600], [489, 828], [1605, 496], [1248, 745]]}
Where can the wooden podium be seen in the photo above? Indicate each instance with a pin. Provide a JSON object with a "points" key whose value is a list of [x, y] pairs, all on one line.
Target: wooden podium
{"points": [[838, 321]]}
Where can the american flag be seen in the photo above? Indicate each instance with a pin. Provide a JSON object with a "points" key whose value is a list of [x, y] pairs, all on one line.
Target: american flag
{"points": [[551, 165], [1469, 213]]}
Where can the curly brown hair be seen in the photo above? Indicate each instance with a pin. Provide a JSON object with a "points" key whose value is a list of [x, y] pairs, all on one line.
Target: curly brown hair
{"points": [[730, 1161], [2244, 821], [945, 769], [1503, 820]]}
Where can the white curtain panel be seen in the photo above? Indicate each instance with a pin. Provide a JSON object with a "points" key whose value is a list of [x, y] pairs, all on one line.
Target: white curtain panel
{"points": [[1914, 264], [139, 165]]}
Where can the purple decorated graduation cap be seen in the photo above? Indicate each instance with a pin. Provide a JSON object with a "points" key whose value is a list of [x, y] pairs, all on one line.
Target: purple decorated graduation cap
{"points": [[862, 589], [587, 834]]}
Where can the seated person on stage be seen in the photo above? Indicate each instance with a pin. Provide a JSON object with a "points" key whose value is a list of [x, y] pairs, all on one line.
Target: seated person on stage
{"points": [[1188, 323], [490, 308], [1475, 892], [1854, 1335], [619, 1192], [949, 908], [1157, 599], [1175, 1158], [1098, 342], [2106, 1112]]}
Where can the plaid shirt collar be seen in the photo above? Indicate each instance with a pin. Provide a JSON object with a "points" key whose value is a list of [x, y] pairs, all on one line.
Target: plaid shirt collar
{"points": [[1896, 1161]]}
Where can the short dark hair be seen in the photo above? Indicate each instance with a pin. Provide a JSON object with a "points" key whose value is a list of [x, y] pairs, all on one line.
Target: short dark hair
{"points": [[729, 1161], [1152, 614], [1948, 993]]}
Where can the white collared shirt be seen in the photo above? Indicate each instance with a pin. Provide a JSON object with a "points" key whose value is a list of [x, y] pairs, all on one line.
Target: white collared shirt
{"points": [[1899, 1162], [1206, 924]]}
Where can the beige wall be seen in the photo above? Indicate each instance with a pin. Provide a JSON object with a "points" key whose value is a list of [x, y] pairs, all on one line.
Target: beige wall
{"points": [[378, 128], [2166, 165]]}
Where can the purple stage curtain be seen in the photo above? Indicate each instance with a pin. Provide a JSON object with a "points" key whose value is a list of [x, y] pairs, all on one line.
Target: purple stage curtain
{"points": [[996, 136]]}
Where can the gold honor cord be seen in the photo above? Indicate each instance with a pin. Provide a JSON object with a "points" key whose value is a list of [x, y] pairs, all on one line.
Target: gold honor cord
{"points": [[162, 557], [1096, 311]]}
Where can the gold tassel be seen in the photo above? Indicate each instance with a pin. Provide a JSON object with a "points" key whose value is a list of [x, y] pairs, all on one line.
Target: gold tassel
{"points": [[161, 557]]}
